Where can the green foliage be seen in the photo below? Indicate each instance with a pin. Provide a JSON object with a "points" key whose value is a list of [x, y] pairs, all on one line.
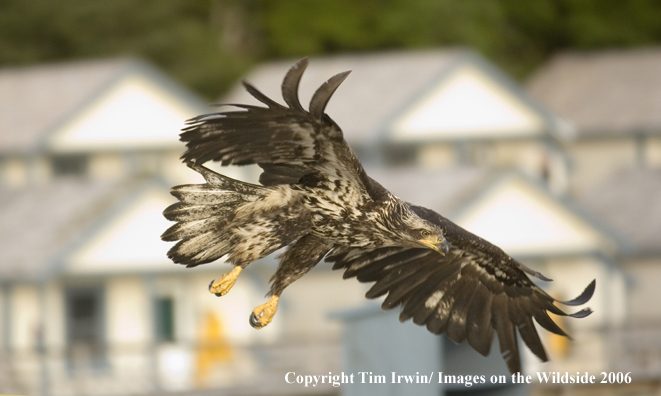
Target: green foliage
{"points": [[207, 44], [179, 36]]}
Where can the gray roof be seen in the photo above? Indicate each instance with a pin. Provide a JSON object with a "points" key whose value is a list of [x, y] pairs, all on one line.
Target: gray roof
{"points": [[451, 191], [442, 190], [34, 100], [612, 92], [37, 223], [379, 86], [630, 203]]}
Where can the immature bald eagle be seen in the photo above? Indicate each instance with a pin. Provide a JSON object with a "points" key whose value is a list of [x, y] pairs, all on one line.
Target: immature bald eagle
{"points": [[317, 199]]}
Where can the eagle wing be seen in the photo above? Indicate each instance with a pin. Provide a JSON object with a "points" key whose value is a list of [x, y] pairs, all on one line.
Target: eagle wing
{"points": [[469, 294], [287, 142]]}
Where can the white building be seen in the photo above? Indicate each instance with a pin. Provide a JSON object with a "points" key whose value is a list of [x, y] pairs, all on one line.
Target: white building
{"points": [[90, 304], [614, 100]]}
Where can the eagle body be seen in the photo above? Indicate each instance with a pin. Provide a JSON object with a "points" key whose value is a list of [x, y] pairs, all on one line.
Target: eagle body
{"points": [[365, 224], [248, 222], [316, 199]]}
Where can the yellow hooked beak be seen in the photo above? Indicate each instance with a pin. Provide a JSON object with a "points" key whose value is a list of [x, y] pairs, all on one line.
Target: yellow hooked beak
{"points": [[439, 244]]}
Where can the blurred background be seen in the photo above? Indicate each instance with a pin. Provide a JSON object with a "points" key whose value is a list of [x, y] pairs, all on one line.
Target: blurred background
{"points": [[542, 116]]}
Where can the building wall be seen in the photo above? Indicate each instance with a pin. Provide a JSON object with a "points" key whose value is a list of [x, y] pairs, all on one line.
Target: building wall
{"points": [[591, 346], [572, 275], [533, 157], [436, 155], [594, 160], [526, 154], [53, 316], [307, 304], [643, 277], [14, 171], [26, 313], [5, 318], [653, 151], [107, 166], [128, 312]]}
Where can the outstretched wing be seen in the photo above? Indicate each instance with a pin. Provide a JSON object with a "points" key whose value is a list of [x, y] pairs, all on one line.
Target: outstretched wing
{"points": [[286, 141], [468, 294]]}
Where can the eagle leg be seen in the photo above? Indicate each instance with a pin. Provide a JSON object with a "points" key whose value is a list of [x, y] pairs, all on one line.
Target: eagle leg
{"points": [[299, 258], [223, 285], [263, 314]]}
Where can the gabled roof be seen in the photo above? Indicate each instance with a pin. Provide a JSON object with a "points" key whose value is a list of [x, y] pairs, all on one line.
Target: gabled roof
{"points": [[374, 90], [616, 92], [442, 190], [380, 87], [55, 106], [126, 239], [630, 202], [76, 227], [35, 99], [80, 227], [471, 100], [525, 219], [506, 208], [37, 222]]}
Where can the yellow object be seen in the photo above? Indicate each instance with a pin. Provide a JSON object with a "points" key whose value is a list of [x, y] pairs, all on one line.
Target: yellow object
{"points": [[558, 345], [212, 349]]}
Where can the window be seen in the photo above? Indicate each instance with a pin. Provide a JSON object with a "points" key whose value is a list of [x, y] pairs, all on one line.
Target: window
{"points": [[399, 155], [69, 165], [164, 318], [84, 326]]}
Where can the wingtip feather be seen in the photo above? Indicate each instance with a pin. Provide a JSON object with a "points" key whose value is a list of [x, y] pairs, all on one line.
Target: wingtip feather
{"points": [[323, 94], [584, 297], [291, 82]]}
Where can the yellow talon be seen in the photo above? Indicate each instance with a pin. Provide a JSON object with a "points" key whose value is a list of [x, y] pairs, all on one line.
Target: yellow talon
{"points": [[263, 315], [223, 285]]}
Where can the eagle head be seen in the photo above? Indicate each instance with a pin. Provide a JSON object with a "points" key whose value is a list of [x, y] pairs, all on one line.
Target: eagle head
{"points": [[419, 232]]}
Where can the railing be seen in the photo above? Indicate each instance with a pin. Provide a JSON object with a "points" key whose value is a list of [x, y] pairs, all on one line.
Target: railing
{"points": [[189, 369], [180, 368], [637, 349]]}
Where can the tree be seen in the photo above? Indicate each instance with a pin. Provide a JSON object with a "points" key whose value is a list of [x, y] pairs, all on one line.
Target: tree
{"points": [[207, 44]]}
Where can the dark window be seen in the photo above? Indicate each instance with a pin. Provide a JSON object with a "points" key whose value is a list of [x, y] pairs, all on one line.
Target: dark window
{"points": [[84, 326], [69, 165], [164, 315], [400, 155]]}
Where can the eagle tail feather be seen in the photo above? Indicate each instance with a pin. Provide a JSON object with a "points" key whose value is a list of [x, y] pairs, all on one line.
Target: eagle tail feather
{"points": [[229, 217], [201, 249], [204, 215]]}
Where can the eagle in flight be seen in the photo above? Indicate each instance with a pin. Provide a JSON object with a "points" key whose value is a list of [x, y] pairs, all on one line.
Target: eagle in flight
{"points": [[316, 199]]}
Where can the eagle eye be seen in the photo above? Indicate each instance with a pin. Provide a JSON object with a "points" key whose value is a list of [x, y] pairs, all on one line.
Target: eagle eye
{"points": [[425, 233]]}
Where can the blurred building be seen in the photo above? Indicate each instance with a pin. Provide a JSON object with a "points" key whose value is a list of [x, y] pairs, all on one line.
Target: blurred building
{"points": [[90, 304], [613, 99]]}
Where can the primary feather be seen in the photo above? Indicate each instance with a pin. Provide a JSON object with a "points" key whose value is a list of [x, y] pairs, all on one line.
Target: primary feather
{"points": [[474, 291]]}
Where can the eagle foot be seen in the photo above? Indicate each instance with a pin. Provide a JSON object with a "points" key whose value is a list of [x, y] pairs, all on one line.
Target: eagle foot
{"points": [[263, 314], [223, 285]]}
